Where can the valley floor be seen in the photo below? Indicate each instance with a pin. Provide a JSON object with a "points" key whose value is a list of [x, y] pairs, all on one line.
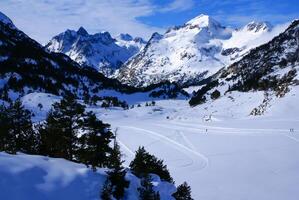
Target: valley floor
{"points": [[221, 151], [225, 158]]}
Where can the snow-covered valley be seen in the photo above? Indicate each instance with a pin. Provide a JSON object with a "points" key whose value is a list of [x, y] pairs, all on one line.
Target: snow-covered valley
{"points": [[218, 148]]}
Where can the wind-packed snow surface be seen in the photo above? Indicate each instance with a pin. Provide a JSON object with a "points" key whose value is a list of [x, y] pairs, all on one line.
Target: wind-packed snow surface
{"points": [[218, 148]]}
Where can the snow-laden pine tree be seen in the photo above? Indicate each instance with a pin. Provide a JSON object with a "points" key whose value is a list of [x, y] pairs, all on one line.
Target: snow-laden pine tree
{"points": [[59, 134], [94, 146], [183, 192], [117, 173], [146, 191], [16, 132], [144, 163]]}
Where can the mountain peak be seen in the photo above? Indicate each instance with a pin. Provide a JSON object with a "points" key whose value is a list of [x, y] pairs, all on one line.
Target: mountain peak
{"points": [[203, 21], [82, 31], [256, 26], [125, 37]]}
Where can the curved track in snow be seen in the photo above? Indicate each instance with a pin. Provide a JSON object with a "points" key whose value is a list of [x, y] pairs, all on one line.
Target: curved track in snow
{"points": [[198, 160]]}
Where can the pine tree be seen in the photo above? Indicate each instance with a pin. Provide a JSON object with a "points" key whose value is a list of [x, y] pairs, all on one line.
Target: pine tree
{"points": [[59, 134], [94, 143], [146, 191], [117, 174], [183, 192], [16, 132], [7, 140], [145, 163], [106, 193]]}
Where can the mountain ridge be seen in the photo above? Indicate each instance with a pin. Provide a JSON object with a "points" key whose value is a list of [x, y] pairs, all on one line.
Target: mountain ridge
{"points": [[100, 51], [189, 53]]}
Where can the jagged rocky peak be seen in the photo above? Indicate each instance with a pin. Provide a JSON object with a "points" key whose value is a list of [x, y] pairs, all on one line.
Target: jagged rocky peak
{"points": [[100, 50], [255, 26], [125, 37], [102, 37], [129, 38], [139, 40], [82, 31], [156, 36]]}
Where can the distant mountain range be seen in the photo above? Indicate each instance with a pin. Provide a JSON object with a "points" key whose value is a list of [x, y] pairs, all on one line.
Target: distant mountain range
{"points": [[99, 50], [184, 54]]}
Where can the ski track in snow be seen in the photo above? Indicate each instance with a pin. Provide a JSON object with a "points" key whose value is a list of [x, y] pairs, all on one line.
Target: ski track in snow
{"points": [[200, 163], [126, 148], [187, 141]]}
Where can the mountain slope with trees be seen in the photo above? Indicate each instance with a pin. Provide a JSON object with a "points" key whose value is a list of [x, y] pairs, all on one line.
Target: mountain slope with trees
{"points": [[271, 67]]}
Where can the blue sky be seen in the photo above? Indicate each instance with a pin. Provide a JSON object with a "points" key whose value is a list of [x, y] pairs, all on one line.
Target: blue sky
{"points": [[42, 19]]}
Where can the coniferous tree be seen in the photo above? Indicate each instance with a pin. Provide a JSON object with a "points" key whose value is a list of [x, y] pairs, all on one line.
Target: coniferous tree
{"points": [[59, 134], [183, 192], [94, 143], [117, 174], [16, 132], [7, 140], [106, 193], [145, 163], [146, 191]]}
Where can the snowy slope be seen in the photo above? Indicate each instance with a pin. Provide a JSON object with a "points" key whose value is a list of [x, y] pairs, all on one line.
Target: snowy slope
{"points": [[189, 53], [26, 177], [99, 50]]}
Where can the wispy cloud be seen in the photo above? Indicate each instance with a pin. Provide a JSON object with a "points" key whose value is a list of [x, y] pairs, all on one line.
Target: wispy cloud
{"points": [[42, 19], [178, 6]]}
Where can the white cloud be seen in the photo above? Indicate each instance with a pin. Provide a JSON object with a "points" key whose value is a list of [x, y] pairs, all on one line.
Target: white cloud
{"points": [[178, 5], [42, 19]]}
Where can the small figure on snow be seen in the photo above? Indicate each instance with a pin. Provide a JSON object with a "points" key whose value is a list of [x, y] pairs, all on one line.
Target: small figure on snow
{"points": [[291, 130]]}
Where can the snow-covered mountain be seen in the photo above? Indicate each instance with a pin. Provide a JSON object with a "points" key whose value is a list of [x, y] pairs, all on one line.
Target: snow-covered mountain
{"points": [[187, 54], [99, 50], [272, 68]]}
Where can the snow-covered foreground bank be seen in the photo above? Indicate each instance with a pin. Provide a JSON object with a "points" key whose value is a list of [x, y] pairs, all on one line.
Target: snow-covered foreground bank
{"points": [[26, 177], [232, 156]]}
